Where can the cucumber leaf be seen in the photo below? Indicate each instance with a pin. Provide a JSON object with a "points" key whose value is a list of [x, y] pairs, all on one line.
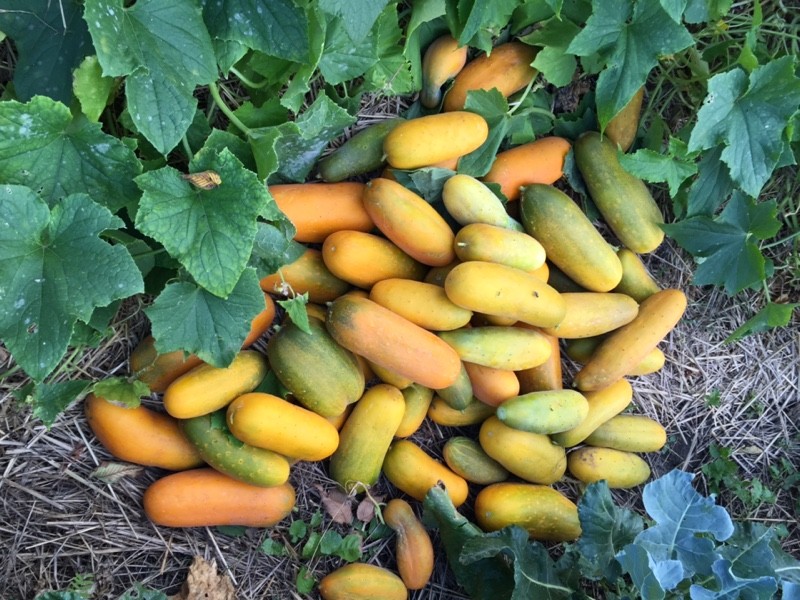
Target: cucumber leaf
{"points": [[48, 283], [254, 24], [630, 39], [749, 115], [42, 133], [165, 51], [91, 87], [358, 16], [210, 231], [189, 318], [772, 315], [727, 253], [121, 391], [51, 399], [51, 39]]}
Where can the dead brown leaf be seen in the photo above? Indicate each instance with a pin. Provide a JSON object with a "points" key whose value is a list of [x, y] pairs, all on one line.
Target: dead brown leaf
{"points": [[204, 583], [365, 511], [337, 504]]}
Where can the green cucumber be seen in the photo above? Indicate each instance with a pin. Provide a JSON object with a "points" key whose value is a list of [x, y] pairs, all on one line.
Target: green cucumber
{"points": [[549, 411], [322, 375], [465, 457], [360, 154], [622, 199], [210, 435], [571, 241]]}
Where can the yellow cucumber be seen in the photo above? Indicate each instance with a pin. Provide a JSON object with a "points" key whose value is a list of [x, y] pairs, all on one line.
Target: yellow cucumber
{"points": [[603, 405], [623, 199], [442, 61], [570, 239], [207, 388], [410, 222], [422, 303], [266, 421], [441, 413], [580, 350], [629, 433], [469, 200], [511, 348], [622, 128], [362, 581], [504, 291], [626, 347], [594, 313], [550, 411], [545, 513], [636, 282], [480, 241], [619, 469], [548, 375], [365, 438], [413, 471], [417, 399], [529, 456], [430, 139]]}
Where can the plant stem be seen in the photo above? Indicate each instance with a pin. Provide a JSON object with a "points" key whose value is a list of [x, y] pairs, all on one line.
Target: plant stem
{"points": [[247, 81], [186, 147], [212, 87], [788, 238]]}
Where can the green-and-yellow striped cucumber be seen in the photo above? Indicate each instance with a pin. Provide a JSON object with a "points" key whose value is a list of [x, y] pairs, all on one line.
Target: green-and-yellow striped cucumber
{"points": [[569, 238], [623, 199], [221, 450]]}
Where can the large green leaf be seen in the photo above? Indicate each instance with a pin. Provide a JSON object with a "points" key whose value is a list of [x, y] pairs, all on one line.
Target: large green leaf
{"points": [[726, 246], [605, 530], [535, 575], [43, 147], [298, 144], [51, 399], [51, 39], [343, 59], [749, 114], [54, 271], [187, 317], [358, 16], [394, 73], [278, 27], [164, 49], [210, 231], [631, 38]]}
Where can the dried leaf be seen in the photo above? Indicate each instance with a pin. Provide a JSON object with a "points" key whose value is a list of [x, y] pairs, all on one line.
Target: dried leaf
{"points": [[337, 504], [365, 511], [204, 583], [111, 472]]}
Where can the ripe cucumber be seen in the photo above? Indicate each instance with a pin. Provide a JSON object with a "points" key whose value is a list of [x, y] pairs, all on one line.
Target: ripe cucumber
{"points": [[210, 435], [323, 376], [622, 199], [569, 238]]}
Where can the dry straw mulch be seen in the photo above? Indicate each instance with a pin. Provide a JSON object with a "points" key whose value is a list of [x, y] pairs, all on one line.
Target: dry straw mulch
{"points": [[57, 520]]}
